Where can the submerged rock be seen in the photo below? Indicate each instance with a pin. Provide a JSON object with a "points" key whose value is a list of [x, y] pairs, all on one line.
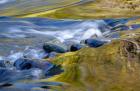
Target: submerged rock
{"points": [[26, 64], [55, 70], [8, 76]]}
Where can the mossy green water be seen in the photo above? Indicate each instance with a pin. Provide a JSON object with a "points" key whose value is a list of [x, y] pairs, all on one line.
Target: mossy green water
{"points": [[96, 9], [24, 7]]}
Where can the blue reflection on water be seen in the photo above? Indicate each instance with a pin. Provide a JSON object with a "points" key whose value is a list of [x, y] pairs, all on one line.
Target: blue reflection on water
{"points": [[13, 31]]}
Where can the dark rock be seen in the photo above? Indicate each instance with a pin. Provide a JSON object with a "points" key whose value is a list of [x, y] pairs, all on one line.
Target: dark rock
{"points": [[94, 43], [5, 85], [46, 65], [48, 47], [76, 47], [24, 64], [45, 87], [56, 69]]}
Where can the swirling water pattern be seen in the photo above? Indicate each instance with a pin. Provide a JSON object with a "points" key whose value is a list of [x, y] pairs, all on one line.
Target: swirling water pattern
{"points": [[25, 36], [21, 33]]}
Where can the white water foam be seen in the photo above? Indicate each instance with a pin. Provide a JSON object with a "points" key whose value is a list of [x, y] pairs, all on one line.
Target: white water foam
{"points": [[77, 31], [80, 31], [5, 1]]}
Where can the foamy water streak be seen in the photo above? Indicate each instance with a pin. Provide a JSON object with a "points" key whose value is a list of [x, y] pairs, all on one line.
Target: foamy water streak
{"points": [[31, 31], [18, 34], [62, 30]]}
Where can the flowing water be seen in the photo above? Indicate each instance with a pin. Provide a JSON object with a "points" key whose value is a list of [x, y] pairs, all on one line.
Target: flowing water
{"points": [[26, 36], [23, 7]]}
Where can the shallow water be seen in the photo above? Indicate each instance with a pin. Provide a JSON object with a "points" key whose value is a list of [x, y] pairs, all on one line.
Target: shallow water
{"points": [[19, 34], [23, 7], [26, 36], [21, 37]]}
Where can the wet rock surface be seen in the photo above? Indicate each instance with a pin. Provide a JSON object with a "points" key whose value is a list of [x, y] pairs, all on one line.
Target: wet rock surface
{"points": [[69, 55], [94, 43], [110, 65], [76, 47], [53, 48]]}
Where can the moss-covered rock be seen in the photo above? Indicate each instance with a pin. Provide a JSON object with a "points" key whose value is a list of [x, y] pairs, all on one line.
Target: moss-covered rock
{"points": [[112, 67]]}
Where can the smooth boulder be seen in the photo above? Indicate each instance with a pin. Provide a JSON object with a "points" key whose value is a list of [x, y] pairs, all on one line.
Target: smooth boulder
{"points": [[94, 43], [24, 64], [56, 69], [76, 47], [49, 47]]}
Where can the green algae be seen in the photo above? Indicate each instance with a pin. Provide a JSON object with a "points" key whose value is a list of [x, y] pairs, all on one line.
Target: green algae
{"points": [[26, 7], [94, 10], [68, 9], [112, 67]]}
